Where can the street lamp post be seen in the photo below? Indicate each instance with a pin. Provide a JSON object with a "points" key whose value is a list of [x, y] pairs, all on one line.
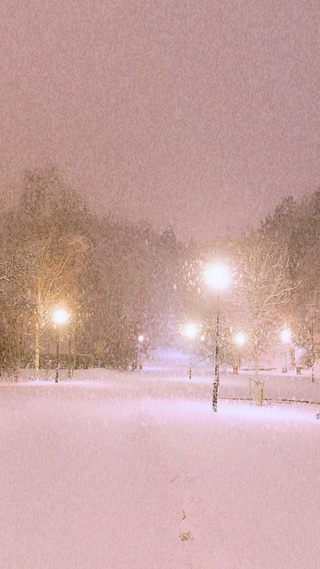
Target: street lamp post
{"points": [[60, 316], [217, 277], [139, 359], [190, 331], [286, 339]]}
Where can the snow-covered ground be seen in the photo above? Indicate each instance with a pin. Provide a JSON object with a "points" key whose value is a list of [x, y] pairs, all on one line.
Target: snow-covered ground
{"points": [[134, 471]]}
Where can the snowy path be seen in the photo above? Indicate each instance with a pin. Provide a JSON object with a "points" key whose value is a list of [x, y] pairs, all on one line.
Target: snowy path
{"points": [[137, 474]]}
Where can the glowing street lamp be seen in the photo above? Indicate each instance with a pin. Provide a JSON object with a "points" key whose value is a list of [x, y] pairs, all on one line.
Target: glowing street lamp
{"points": [[286, 339], [139, 355], [218, 278], [190, 331], [60, 317], [240, 340]]}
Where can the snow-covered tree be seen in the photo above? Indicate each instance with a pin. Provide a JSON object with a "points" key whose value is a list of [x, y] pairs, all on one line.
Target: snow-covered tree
{"points": [[296, 226], [45, 234], [262, 290]]}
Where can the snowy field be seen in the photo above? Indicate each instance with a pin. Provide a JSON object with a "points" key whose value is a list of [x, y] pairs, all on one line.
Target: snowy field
{"points": [[135, 471]]}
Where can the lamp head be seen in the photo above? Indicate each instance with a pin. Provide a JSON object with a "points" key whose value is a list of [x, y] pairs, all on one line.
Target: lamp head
{"points": [[60, 316], [286, 335], [191, 331], [240, 339], [217, 276]]}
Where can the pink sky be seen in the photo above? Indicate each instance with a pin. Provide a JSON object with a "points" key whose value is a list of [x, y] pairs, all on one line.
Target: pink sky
{"points": [[201, 114]]}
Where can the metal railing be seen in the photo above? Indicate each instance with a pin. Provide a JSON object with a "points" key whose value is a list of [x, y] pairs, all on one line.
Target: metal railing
{"points": [[258, 389]]}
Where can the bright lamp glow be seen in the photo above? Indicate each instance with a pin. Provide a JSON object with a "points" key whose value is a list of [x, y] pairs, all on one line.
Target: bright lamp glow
{"points": [[140, 338], [240, 339], [217, 276], [286, 335], [60, 316], [191, 331]]}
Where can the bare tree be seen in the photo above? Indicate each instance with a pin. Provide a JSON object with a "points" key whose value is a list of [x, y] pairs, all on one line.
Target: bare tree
{"points": [[51, 277], [262, 290]]}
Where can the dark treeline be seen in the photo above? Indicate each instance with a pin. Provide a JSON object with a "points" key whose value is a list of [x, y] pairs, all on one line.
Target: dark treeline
{"points": [[118, 280]]}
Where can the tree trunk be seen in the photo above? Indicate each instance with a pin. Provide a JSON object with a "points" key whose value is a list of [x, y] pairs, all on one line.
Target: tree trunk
{"points": [[37, 348], [256, 362], [69, 356], [292, 358]]}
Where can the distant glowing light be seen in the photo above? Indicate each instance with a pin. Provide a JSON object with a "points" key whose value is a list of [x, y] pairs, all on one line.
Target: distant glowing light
{"points": [[60, 316], [217, 276], [140, 338], [191, 330], [240, 339], [286, 335]]}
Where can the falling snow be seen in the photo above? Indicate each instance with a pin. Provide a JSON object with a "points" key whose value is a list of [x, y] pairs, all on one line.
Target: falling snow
{"points": [[140, 143], [195, 114]]}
